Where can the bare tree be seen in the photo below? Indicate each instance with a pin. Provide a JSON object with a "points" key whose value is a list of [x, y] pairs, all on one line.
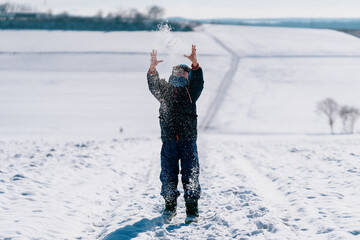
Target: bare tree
{"points": [[64, 14], [156, 12], [99, 14], [10, 7], [330, 108], [129, 13], [110, 15], [344, 114], [354, 115], [349, 116], [23, 8], [4, 8]]}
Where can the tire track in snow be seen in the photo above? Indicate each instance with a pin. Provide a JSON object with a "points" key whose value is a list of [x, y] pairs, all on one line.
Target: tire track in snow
{"points": [[225, 84], [229, 76], [223, 200], [231, 205]]}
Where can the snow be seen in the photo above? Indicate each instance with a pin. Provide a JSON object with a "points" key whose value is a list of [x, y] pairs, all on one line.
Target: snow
{"points": [[280, 95], [90, 90], [269, 168], [73, 41], [273, 41]]}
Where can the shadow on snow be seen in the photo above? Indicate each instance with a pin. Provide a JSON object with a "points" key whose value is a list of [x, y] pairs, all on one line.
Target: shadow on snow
{"points": [[144, 225]]}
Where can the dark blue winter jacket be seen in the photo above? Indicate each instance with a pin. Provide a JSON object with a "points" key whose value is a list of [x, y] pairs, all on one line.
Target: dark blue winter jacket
{"points": [[178, 118]]}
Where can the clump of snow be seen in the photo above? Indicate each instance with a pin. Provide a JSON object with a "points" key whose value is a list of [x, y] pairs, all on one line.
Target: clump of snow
{"points": [[170, 48]]}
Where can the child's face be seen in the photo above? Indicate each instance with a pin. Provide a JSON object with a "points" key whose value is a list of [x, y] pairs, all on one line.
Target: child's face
{"points": [[179, 72]]}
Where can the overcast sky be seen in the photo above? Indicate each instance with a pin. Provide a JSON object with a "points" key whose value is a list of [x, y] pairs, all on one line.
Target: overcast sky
{"points": [[200, 9]]}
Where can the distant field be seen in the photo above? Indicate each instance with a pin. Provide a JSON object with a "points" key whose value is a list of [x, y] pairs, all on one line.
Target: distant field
{"points": [[93, 83], [90, 84]]}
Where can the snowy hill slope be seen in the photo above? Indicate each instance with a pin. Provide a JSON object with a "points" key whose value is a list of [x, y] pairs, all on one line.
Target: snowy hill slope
{"points": [[253, 188], [68, 173], [282, 74], [89, 85], [273, 41]]}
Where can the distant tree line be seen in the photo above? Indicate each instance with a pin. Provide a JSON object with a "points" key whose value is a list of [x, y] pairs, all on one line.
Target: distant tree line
{"points": [[11, 7], [19, 17], [337, 24], [332, 110]]}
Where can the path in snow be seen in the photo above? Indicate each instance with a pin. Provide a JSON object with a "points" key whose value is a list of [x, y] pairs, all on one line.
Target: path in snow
{"points": [[229, 207], [284, 188], [214, 106]]}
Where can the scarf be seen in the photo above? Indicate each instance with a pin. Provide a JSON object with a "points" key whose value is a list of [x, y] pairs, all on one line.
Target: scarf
{"points": [[178, 81]]}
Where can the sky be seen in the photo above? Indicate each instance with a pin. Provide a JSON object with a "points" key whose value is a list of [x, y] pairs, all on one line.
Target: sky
{"points": [[203, 9]]}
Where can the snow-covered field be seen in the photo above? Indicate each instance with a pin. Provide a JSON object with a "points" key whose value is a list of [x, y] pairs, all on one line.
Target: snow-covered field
{"points": [[269, 170]]}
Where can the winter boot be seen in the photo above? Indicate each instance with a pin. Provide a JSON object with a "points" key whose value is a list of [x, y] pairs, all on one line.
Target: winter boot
{"points": [[170, 210], [192, 213]]}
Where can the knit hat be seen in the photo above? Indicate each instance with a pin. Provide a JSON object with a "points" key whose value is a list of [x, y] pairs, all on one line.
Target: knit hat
{"points": [[182, 66]]}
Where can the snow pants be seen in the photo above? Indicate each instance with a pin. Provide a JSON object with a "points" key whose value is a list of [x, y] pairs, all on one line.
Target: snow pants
{"points": [[171, 152]]}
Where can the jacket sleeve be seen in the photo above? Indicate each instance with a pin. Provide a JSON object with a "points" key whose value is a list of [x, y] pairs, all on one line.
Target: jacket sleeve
{"points": [[196, 83], [155, 84]]}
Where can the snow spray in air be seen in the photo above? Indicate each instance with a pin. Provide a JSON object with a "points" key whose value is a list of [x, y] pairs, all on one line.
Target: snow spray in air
{"points": [[170, 49]]}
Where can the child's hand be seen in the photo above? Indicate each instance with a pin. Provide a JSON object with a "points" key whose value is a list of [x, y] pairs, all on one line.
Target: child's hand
{"points": [[192, 56], [153, 61]]}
